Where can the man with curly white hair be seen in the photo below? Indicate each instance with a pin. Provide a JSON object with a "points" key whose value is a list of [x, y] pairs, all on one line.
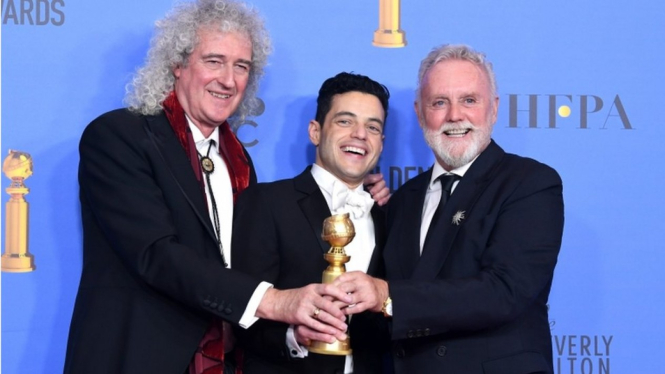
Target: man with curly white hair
{"points": [[158, 181]]}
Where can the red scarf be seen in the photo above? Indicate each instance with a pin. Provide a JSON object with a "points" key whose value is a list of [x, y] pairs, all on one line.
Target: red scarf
{"points": [[209, 357], [230, 148]]}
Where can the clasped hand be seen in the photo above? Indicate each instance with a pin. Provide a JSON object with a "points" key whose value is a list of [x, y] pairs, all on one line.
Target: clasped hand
{"points": [[351, 293]]}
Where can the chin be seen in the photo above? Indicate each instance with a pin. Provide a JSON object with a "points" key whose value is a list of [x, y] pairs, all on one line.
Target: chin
{"points": [[454, 154]]}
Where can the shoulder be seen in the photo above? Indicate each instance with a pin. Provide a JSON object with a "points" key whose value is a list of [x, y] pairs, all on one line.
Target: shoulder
{"points": [[414, 184], [520, 167], [115, 121], [267, 191]]}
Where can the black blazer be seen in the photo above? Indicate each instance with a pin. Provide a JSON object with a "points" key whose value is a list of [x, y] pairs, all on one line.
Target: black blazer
{"points": [[277, 237], [153, 276], [476, 302]]}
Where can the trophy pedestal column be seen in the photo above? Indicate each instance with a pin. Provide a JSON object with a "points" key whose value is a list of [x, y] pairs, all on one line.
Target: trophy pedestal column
{"points": [[16, 258]]}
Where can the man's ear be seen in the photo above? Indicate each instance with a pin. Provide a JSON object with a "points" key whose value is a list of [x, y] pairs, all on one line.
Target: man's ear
{"points": [[495, 109], [314, 131], [416, 108]]}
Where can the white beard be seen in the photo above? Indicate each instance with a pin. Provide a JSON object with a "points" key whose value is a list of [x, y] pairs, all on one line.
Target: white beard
{"points": [[457, 155]]}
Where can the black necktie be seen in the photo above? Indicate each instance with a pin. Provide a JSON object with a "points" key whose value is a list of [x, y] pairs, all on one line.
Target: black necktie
{"points": [[447, 181]]}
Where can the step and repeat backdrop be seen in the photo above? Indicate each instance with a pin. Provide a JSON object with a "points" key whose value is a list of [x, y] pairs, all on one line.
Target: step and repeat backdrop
{"points": [[581, 89]]}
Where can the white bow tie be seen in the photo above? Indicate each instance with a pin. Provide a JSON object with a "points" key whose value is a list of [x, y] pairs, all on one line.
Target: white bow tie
{"points": [[356, 202]]}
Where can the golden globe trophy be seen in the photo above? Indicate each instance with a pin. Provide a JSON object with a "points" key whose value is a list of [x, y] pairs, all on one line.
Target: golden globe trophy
{"points": [[338, 231], [389, 35], [16, 259]]}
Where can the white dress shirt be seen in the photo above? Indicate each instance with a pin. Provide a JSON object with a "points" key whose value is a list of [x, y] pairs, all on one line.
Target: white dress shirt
{"points": [[221, 187]]}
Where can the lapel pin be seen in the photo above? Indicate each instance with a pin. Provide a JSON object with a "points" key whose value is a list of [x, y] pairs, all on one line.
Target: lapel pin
{"points": [[458, 217]]}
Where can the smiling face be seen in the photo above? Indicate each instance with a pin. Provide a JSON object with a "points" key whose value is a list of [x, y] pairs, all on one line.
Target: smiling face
{"points": [[456, 111], [213, 83], [350, 141]]}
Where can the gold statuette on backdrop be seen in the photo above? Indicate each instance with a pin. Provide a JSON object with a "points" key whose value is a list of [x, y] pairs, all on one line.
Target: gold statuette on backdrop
{"points": [[16, 259], [338, 231], [389, 34]]}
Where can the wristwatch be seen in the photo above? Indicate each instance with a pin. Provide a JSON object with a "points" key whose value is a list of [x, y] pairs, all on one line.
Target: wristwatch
{"points": [[387, 308]]}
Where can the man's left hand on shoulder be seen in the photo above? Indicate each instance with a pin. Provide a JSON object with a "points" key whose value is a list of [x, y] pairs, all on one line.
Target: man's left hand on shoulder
{"points": [[377, 187]]}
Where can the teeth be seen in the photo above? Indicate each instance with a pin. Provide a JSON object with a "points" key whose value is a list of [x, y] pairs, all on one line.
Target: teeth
{"points": [[354, 150], [219, 95], [456, 132]]}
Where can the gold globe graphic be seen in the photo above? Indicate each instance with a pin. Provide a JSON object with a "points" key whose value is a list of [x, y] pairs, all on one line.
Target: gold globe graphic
{"points": [[17, 165]]}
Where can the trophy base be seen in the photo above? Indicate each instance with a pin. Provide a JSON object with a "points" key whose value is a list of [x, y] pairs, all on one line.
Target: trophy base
{"points": [[13, 263], [338, 348], [389, 39]]}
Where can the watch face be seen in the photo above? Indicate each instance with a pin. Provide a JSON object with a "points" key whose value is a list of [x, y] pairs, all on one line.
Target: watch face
{"points": [[387, 307]]}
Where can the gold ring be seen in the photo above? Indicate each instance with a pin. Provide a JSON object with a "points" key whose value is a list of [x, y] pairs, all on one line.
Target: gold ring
{"points": [[316, 313]]}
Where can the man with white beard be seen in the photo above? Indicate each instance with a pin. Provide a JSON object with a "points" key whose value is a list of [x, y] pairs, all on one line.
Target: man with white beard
{"points": [[472, 243]]}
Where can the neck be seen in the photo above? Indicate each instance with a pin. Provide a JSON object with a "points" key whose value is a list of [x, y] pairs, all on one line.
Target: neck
{"points": [[351, 184], [206, 131]]}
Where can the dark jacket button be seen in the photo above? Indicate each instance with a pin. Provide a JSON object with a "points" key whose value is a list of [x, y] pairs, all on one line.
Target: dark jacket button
{"points": [[441, 351], [426, 332], [206, 302], [409, 334], [228, 310], [400, 353], [419, 333], [213, 305]]}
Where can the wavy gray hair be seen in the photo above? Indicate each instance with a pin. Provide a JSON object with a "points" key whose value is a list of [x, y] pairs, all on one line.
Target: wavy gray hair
{"points": [[175, 39], [454, 52]]}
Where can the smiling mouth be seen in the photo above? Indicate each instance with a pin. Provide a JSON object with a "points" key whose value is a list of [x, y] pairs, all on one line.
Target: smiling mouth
{"points": [[219, 96], [457, 133], [354, 150]]}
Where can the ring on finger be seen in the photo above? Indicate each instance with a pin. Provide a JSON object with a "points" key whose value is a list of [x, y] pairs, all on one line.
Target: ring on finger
{"points": [[315, 315]]}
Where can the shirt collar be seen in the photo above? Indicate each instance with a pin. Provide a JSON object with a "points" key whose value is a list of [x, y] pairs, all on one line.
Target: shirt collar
{"points": [[438, 170], [199, 139], [326, 179]]}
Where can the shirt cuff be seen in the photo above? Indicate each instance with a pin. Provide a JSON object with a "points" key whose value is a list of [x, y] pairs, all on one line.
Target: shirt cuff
{"points": [[295, 349], [249, 316]]}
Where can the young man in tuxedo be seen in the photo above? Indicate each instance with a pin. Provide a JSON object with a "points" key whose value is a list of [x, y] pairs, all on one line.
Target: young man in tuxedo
{"points": [[278, 226]]}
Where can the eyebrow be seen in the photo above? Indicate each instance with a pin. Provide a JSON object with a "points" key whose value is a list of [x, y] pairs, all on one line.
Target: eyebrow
{"points": [[463, 94], [346, 113], [223, 57]]}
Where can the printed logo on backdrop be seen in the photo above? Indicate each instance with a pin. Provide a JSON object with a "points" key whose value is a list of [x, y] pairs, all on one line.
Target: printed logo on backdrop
{"points": [[581, 353], [585, 112], [389, 34], [240, 128], [396, 176], [33, 12]]}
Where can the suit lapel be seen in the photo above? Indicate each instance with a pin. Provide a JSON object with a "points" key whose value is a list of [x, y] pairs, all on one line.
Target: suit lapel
{"points": [[376, 267], [167, 145], [312, 204], [409, 228], [461, 201]]}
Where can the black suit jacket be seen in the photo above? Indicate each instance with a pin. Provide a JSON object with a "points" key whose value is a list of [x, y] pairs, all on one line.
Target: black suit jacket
{"points": [[153, 276], [277, 237], [476, 302]]}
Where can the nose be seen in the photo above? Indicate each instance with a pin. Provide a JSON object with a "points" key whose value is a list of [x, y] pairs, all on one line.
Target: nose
{"points": [[454, 113], [226, 78], [359, 131]]}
